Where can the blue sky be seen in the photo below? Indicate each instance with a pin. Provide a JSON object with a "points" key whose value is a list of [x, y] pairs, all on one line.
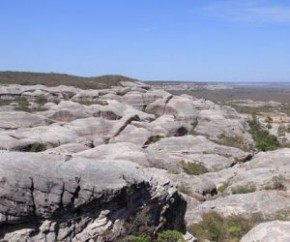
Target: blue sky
{"points": [[198, 40]]}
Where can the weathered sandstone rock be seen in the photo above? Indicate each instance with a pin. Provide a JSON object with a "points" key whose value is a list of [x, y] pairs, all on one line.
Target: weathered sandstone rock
{"points": [[64, 198]]}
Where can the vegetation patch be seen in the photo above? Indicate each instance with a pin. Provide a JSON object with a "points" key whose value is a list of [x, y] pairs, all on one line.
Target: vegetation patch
{"points": [[283, 214], [34, 147], [22, 104], [243, 189], [165, 236], [41, 100], [192, 168], [264, 140], [170, 236], [140, 238], [233, 141], [4, 102], [221, 189], [214, 227]]}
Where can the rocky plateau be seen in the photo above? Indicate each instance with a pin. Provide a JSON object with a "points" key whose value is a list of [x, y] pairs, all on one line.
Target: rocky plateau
{"points": [[102, 164]]}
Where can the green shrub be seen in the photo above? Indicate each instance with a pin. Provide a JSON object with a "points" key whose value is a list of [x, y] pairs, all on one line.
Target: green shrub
{"points": [[234, 231], [164, 236], [170, 236], [140, 238], [41, 100], [193, 168], [264, 140], [34, 147], [37, 147], [214, 227]]}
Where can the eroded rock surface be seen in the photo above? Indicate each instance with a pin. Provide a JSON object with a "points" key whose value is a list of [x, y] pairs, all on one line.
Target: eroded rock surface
{"points": [[269, 231], [110, 162], [61, 198]]}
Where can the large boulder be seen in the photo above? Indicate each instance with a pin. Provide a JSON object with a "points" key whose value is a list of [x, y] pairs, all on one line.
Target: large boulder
{"points": [[223, 124], [267, 170], [187, 145], [46, 197]]}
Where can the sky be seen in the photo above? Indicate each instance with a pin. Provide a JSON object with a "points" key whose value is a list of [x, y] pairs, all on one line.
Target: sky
{"points": [[192, 40]]}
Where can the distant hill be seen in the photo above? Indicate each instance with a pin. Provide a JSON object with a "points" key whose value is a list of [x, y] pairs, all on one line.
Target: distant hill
{"points": [[56, 79]]}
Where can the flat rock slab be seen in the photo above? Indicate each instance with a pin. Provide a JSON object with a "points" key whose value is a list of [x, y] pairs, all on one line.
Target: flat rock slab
{"points": [[191, 144], [18, 119], [268, 204]]}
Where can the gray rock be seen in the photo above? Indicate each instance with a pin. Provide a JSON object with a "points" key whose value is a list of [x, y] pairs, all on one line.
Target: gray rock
{"points": [[223, 124], [141, 100], [67, 149], [60, 198], [269, 231], [18, 119], [190, 145], [267, 204], [132, 134], [117, 151]]}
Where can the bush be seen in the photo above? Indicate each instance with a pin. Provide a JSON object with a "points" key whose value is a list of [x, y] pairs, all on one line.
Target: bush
{"points": [[165, 236], [193, 168], [170, 236], [41, 100], [141, 238], [214, 227], [34, 147], [264, 140]]}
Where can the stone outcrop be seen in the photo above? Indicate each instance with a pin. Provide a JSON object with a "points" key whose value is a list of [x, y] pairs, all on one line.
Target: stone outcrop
{"points": [[81, 165], [62, 198]]}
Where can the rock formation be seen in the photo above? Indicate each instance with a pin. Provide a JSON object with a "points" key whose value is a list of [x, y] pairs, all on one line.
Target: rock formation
{"points": [[98, 165]]}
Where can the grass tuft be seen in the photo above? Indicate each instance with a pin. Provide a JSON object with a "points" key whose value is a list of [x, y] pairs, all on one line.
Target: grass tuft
{"points": [[192, 168], [216, 228]]}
